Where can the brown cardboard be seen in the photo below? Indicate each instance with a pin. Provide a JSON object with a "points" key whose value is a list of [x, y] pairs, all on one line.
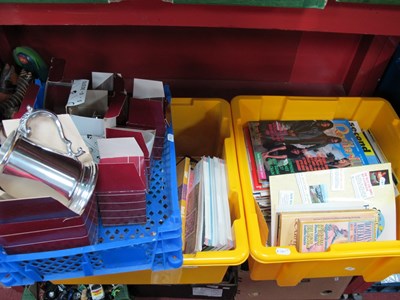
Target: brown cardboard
{"points": [[308, 289]]}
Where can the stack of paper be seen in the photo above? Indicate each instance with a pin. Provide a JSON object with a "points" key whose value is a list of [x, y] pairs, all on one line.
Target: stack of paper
{"points": [[349, 189], [207, 215]]}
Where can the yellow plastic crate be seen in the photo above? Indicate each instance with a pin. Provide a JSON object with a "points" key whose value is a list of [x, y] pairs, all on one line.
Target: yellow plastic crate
{"points": [[374, 261], [201, 127]]}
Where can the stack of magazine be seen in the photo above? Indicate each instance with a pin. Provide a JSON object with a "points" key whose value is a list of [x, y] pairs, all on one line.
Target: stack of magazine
{"points": [[320, 182], [203, 193]]}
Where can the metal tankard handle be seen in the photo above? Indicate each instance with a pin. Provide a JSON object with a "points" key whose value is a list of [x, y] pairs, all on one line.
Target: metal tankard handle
{"points": [[25, 131]]}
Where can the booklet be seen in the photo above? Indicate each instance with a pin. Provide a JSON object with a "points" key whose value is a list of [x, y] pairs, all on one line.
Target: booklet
{"points": [[369, 186]]}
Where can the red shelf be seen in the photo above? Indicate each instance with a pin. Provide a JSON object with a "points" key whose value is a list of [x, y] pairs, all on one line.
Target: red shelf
{"points": [[336, 17], [214, 51]]}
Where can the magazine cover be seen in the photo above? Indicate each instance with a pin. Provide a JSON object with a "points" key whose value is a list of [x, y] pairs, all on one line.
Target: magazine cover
{"points": [[288, 221], [282, 147], [260, 187], [362, 187], [194, 194], [369, 152], [318, 236]]}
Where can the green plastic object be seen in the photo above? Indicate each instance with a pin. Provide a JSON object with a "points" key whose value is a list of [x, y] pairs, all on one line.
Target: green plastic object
{"points": [[58, 1], [29, 293], [380, 2], [31, 61], [122, 294]]}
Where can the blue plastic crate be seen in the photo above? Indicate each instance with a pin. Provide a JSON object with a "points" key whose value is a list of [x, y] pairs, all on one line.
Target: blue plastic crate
{"points": [[156, 245]]}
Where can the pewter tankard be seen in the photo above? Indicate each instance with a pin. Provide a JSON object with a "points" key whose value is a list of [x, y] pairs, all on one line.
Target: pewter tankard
{"points": [[25, 160]]}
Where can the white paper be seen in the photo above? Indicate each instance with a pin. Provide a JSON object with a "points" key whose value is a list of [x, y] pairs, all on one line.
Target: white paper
{"points": [[90, 126], [362, 185], [149, 135], [208, 220], [97, 98], [119, 147], [198, 170], [78, 92], [103, 81], [286, 198], [94, 106], [143, 89], [303, 187], [220, 213], [209, 292], [91, 143], [337, 179]]}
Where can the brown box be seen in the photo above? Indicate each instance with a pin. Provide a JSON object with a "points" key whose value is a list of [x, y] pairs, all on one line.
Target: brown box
{"points": [[307, 289]]}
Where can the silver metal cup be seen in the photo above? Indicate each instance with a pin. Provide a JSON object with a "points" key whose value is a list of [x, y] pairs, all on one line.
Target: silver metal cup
{"points": [[23, 160]]}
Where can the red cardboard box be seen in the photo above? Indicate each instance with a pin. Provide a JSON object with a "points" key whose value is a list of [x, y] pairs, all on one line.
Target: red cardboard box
{"points": [[144, 138], [122, 196], [122, 208], [121, 167], [128, 197], [44, 224], [147, 110], [56, 244], [130, 213], [117, 221], [147, 114]]}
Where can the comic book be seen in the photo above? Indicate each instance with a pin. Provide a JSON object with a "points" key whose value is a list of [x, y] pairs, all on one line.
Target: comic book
{"points": [[282, 147]]}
